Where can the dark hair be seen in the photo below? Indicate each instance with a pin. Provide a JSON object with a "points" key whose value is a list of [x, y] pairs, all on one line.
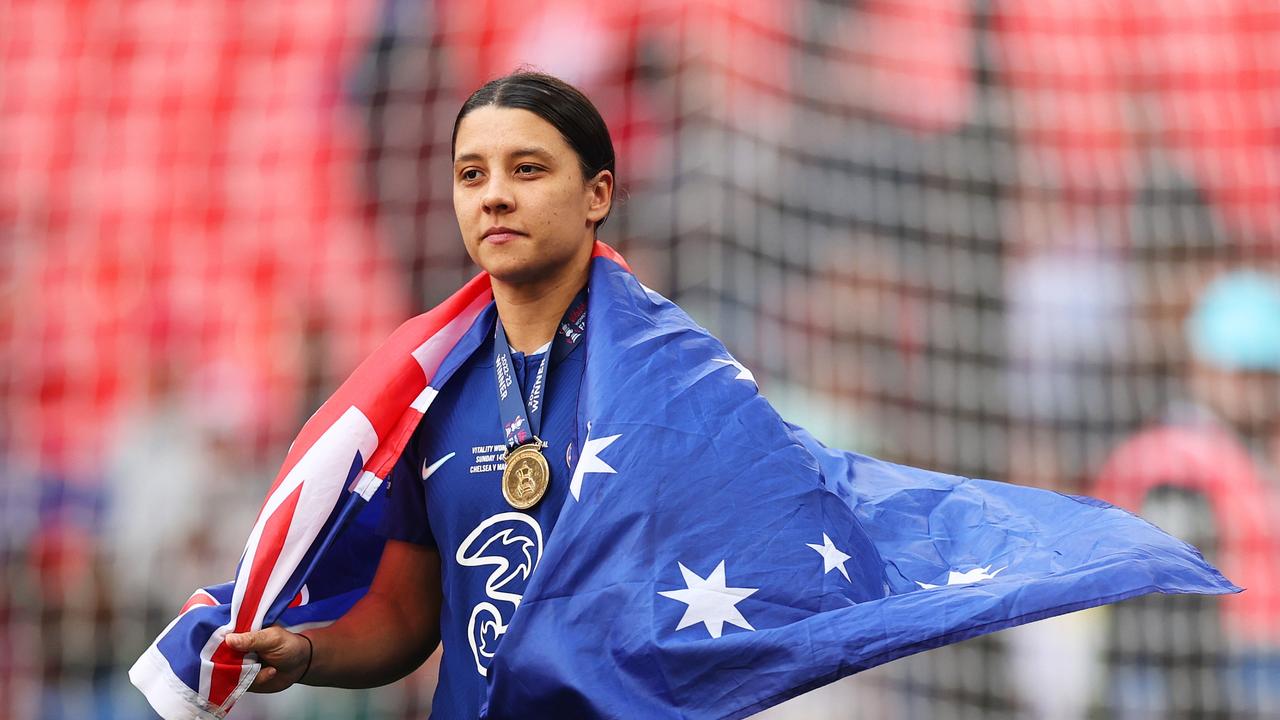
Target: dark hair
{"points": [[557, 102]]}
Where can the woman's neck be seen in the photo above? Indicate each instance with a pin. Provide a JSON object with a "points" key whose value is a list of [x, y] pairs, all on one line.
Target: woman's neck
{"points": [[531, 312]]}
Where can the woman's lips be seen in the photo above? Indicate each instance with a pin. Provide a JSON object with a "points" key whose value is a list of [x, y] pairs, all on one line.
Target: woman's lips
{"points": [[502, 238]]}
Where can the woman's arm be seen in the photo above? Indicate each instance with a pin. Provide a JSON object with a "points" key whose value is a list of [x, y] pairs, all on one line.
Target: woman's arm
{"points": [[385, 636]]}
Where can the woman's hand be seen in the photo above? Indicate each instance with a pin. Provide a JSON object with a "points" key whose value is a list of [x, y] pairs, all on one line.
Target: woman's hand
{"points": [[285, 656], [385, 636]]}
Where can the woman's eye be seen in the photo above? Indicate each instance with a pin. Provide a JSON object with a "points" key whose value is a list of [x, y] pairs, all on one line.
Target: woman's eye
{"points": [[527, 169], [469, 174]]}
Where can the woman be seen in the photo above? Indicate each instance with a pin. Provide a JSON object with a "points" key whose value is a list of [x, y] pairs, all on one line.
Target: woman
{"points": [[532, 181], [709, 560]]}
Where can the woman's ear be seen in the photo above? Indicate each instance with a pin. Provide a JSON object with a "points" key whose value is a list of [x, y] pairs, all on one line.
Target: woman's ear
{"points": [[601, 198]]}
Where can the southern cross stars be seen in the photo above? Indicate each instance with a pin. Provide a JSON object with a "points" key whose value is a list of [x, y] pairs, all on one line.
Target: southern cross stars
{"points": [[711, 602], [743, 372], [832, 559], [966, 577], [590, 462]]}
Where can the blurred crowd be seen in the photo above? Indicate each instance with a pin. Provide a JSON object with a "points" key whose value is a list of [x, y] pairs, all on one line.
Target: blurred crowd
{"points": [[1035, 240]]}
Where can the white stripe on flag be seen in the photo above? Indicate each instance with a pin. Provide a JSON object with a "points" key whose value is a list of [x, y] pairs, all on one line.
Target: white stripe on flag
{"points": [[324, 469]]}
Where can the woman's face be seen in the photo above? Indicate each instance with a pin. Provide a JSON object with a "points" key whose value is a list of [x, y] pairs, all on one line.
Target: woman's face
{"points": [[523, 207]]}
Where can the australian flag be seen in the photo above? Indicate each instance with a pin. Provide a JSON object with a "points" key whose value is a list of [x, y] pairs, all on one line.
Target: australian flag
{"points": [[710, 561]]}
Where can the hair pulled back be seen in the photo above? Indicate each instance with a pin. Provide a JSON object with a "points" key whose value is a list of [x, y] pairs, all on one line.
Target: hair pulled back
{"points": [[557, 102]]}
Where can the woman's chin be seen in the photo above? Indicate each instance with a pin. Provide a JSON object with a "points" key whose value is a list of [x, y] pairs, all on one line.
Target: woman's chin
{"points": [[514, 269], [525, 262]]}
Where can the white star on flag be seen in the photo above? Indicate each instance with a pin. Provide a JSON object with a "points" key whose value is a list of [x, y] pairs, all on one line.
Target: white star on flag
{"points": [[966, 577], [743, 372], [710, 601], [590, 462], [832, 559]]}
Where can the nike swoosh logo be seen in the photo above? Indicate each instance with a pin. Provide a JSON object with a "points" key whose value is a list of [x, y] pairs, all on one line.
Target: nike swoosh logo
{"points": [[428, 471]]}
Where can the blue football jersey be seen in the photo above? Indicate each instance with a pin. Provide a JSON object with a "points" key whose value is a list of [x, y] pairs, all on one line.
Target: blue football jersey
{"points": [[446, 493]]}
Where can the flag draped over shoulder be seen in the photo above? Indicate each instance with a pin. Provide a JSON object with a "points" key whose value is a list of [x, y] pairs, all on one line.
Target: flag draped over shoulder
{"points": [[711, 560], [313, 549]]}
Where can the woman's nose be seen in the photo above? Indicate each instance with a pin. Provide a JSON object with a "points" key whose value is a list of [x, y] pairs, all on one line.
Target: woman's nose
{"points": [[498, 197]]}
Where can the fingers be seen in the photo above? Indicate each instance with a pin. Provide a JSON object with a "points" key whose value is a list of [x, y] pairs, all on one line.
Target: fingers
{"points": [[259, 641], [263, 680], [281, 663], [269, 680], [243, 642]]}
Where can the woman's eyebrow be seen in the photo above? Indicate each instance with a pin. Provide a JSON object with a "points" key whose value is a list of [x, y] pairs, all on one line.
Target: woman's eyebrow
{"points": [[534, 151]]}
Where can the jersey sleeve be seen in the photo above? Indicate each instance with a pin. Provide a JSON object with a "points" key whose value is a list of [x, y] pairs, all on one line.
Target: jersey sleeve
{"points": [[406, 515]]}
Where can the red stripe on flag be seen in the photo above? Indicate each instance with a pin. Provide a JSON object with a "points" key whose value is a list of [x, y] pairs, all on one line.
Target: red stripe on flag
{"points": [[603, 250], [227, 664], [226, 674], [198, 599]]}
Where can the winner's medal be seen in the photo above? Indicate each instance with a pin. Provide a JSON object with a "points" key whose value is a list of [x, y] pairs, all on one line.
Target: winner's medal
{"points": [[526, 477]]}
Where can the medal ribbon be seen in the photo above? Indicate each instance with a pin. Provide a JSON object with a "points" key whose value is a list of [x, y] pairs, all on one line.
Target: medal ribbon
{"points": [[521, 423]]}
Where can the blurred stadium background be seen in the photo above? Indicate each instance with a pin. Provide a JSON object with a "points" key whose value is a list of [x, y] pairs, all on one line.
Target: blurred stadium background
{"points": [[1032, 240]]}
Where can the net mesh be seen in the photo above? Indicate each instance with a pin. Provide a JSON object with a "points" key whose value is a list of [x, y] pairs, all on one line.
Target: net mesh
{"points": [[992, 237]]}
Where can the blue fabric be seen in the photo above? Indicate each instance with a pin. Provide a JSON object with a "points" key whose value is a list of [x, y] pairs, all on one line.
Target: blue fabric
{"points": [[708, 560], [711, 560], [462, 498]]}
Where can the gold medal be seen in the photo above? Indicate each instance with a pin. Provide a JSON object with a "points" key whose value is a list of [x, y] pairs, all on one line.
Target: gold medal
{"points": [[525, 479]]}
